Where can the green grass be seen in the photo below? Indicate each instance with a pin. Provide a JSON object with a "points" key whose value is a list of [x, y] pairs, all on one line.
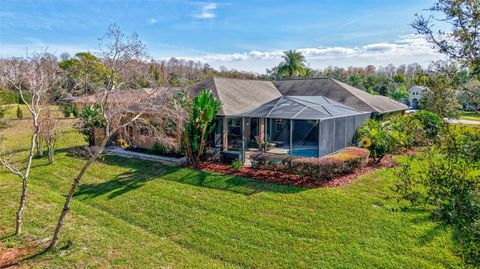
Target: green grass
{"points": [[470, 116], [462, 128], [11, 111], [140, 214]]}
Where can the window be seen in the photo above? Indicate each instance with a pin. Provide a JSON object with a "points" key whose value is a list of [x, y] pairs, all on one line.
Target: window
{"points": [[278, 124]]}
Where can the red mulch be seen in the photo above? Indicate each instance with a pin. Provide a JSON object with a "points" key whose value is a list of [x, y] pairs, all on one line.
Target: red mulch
{"points": [[295, 180]]}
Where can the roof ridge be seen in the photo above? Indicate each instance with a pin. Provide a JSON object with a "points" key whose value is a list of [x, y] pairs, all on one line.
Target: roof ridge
{"points": [[354, 94], [287, 79]]}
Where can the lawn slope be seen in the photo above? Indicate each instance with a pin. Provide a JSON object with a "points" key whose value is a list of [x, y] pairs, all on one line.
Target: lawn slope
{"points": [[140, 214]]}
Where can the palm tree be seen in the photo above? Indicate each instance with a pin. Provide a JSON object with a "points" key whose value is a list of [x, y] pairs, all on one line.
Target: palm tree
{"points": [[293, 64]]}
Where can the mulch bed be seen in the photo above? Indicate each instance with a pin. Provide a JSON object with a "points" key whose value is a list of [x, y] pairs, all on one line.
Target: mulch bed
{"points": [[295, 180]]}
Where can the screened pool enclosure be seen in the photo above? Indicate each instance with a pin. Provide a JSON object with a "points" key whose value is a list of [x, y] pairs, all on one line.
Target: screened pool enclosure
{"points": [[306, 126]]}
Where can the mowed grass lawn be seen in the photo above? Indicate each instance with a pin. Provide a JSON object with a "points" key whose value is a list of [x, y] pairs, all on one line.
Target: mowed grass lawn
{"points": [[11, 111], [470, 116], [139, 214]]}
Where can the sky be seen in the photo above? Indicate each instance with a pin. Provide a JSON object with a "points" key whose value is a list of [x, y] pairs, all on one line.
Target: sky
{"points": [[244, 35]]}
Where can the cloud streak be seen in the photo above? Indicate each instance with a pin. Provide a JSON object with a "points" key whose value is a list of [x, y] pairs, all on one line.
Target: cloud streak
{"points": [[206, 12], [407, 49]]}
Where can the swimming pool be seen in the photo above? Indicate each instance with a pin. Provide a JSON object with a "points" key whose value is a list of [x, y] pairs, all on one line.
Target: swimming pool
{"points": [[307, 152]]}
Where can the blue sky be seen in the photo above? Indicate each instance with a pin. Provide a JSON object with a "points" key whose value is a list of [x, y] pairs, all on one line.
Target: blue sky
{"points": [[246, 35]]}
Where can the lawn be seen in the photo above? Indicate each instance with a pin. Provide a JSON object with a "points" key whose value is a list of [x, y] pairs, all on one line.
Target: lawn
{"points": [[140, 214], [11, 111], [470, 116]]}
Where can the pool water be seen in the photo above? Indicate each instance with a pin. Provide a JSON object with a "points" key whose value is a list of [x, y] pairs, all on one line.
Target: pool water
{"points": [[307, 153]]}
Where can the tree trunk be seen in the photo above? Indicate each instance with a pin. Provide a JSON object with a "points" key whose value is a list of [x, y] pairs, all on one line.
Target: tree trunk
{"points": [[39, 146], [21, 208], [73, 188], [51, 153], [23, 197]]}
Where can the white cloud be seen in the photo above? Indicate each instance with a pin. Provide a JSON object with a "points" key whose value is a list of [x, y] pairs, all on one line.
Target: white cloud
{"points": [[152, 21], [407, 49], [207, 11]]}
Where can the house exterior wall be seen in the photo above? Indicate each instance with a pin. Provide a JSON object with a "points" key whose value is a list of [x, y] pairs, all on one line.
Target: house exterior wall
{"points": [[415, 94]]}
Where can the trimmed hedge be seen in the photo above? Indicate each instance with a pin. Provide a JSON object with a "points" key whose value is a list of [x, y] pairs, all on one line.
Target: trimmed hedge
{"points": [[274, 162], [8, 97], [322, 168]]}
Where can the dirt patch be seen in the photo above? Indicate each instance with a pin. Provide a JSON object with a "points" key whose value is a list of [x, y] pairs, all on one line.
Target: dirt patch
{"points": [[295, 180]]}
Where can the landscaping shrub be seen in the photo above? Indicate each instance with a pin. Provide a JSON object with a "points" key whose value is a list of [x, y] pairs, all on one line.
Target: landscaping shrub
{"points": [[162, 150], [320, 168], [447, 182], [274, 162], [67, 110], [200, 123], [91, 118], [237, 165], [122, 143], [75, 111], [8, 97], [378, 138], [406, 130], [19, 113], [430, 121], [352, 158], [3, 111]]}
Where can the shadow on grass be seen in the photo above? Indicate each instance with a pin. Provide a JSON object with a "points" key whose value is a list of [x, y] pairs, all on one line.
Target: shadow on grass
{"points": [[230, 183], [140, 172]]}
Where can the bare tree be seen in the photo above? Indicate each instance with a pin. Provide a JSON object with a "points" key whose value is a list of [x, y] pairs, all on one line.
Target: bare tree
{"points": [[31, 77], [119, 53], [49, 132]]}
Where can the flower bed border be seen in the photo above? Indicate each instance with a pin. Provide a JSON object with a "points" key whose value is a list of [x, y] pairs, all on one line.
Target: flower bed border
{"points": [[295, 180]]}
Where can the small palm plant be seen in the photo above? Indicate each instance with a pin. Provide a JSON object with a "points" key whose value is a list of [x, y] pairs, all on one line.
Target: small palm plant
{"points": [[203, 110], [377, 138]]}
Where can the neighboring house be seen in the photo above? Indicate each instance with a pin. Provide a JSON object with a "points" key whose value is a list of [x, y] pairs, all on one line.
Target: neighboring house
{"points": [[416, 93], [303, 117], [131, 101]]}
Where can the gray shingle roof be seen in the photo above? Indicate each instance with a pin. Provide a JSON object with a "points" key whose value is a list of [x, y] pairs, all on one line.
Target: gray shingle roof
{"points": [[133, 98], [339, 92], [239, 95], [302, 108]]}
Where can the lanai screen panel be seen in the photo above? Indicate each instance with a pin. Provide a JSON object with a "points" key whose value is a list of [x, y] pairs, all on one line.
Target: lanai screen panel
{"points": [[326, 137], [305, 134], [340, 134]]}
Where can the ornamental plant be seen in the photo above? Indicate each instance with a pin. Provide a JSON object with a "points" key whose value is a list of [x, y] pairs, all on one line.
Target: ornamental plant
{"points": [[378, 138], [202, 111], [430, 121], [91, 118], [19, 113], [237, 165]]}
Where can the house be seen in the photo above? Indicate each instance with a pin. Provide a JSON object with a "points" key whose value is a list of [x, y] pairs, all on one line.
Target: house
{"points": [[302, 117], [416, 93], [123, 102]]}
